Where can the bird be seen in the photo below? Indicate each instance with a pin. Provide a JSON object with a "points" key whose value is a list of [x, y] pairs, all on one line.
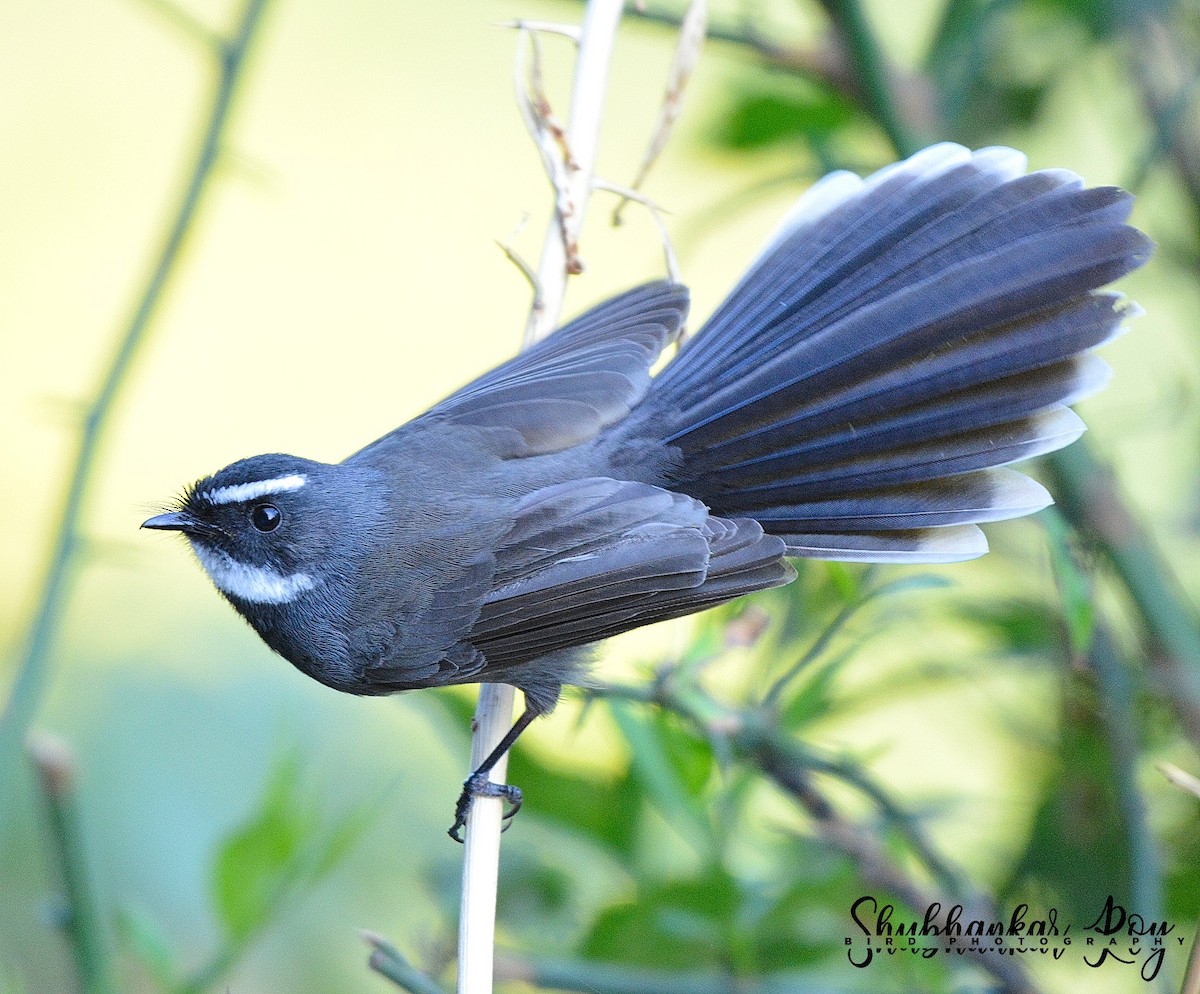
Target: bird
{"points": [[858, 396]]}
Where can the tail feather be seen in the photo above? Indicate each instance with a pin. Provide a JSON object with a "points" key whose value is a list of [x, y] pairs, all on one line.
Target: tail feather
{"points": [[984, 495], [980, 449], [883, 246], [948, 416], [899, 338], [829, 238], [976, 293], [1023, 347], [929, 545]]}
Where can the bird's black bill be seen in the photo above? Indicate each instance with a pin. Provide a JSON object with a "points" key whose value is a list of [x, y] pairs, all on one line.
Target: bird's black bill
{"points": [[172, 521]]}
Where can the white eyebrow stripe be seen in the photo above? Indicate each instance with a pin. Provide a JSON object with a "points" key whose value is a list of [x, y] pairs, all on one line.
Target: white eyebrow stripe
{"points": [[256, 584], [239, 492]]}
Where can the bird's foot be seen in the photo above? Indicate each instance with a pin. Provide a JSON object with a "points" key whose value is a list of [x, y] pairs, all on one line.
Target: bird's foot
{"points": [[478, 785]]}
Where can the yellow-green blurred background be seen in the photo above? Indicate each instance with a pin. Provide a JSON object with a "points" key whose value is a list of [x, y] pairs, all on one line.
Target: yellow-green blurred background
{"points": [[343, 275]]}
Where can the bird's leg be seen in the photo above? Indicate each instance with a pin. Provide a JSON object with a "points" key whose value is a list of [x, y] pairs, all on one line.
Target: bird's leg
{"points": [[478, 784]]}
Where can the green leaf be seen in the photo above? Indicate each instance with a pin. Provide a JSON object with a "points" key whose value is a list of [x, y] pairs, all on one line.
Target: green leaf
{"points": [[777, 111], [708, 635], [845, 580], [604, 809], [259, 860], [814, 697], [785, 934], [537, 901], [909, 584], [680, 755], [1025, 627], [678, 924], [332, 845], [857, 596], [672, 764], [282, 845], [1078, 851]]}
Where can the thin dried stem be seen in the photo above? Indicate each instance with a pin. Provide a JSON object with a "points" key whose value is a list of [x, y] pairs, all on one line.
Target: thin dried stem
{"points": [[518, 260], [670, 259], [571, 32], [481, 847], [1180, 778], [687, 54], [560, 256]]}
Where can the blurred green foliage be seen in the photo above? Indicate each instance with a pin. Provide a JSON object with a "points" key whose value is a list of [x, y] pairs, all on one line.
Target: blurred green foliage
{"points": [[781, 112], [284, 848], [860, 732]]}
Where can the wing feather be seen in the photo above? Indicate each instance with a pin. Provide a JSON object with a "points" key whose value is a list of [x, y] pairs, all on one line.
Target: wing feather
{"points": [[591, 558], [587, 375]]}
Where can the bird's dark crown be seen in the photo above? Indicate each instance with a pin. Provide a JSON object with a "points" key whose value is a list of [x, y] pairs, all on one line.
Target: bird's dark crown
{"points": [[251, 479]]}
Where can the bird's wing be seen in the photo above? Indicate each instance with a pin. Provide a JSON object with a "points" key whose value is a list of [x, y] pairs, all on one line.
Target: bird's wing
{"points": [[584, 377], [575, 563], [416, 633], [592, 558]]}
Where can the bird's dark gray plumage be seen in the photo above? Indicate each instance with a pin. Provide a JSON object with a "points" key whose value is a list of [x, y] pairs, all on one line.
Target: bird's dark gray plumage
{"points": [[901, 339]]}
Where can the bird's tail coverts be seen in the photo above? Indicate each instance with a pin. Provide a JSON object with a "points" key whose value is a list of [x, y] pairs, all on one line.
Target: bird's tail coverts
{"points": [[901, 337]]}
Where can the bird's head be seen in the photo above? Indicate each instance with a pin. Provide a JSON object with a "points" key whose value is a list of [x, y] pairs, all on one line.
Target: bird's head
{"points": [[261, 527]]}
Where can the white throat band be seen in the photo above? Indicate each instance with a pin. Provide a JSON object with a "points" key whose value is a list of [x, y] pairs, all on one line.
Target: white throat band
{"points": [[256, 584]]}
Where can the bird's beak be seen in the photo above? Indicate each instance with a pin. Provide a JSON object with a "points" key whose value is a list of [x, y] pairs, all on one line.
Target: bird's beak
{"points": [[172, 521]]}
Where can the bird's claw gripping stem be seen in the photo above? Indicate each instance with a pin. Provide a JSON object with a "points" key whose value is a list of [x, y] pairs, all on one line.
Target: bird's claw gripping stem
{"points": [[478, 785]]}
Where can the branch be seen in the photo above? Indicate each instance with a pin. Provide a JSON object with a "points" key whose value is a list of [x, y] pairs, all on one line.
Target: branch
{"points": [[481, 846], [687, 54], [1166, 78], [874, 74], [751, 737], [630, 195], [877, 868], [83, 923], [582, 137], [387, 961], [599, 978], [1119, 716], [828, 64], [1087, 495], [1185, 781], [68, 542]]}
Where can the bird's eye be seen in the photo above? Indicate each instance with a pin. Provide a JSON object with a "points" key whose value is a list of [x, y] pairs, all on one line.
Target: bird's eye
{"points": [[265, 517]]}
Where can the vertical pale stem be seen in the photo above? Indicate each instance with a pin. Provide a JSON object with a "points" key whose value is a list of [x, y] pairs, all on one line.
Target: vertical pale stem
{"points": [[583, 133], [493, 716], [481, 847]]}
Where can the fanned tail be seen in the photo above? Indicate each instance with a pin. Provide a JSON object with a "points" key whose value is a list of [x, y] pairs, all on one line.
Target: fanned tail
{"points": [[901, 338]]}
